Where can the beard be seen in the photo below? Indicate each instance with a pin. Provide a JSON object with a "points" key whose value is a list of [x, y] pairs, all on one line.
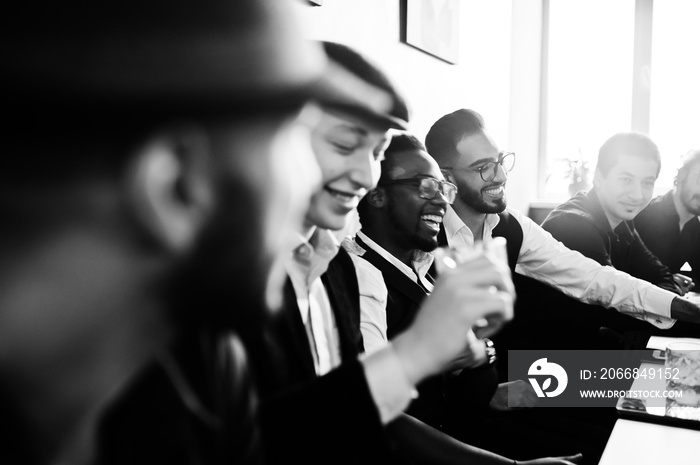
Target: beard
{"points": [[408, 239], [687, 197], [222, 284], [475, 199]]}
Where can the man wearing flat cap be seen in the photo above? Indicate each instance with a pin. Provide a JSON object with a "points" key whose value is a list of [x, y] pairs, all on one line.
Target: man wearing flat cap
{"points": [[140, 136]]}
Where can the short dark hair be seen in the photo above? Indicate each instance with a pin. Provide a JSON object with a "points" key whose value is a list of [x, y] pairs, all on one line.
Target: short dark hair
{"points": [[400, 143], [445, 134], [360, 66], [630, 143], [690, 159]]}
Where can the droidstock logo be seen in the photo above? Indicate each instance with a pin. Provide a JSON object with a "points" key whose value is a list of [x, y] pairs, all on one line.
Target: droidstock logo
{"points": [[547, 370]]}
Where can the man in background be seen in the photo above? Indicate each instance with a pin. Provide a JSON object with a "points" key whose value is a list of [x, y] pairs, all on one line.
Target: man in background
{"points": [[599, 224], [670, 227]]}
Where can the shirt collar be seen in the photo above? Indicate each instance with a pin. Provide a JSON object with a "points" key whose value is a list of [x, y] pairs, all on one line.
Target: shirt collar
{"points": [[454, 225], [422, 261], [313, 256]]}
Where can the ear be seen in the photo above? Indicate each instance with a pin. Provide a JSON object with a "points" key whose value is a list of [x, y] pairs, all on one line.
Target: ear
{"points": [[447, 174], [170, 188], [376, 197]]}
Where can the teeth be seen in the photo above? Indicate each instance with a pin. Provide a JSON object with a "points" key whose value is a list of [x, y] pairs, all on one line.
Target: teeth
{"points": [[494, 191], [432, 218]]}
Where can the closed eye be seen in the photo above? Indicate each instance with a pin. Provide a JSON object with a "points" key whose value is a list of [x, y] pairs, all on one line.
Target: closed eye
{"points": [[343, 149]]}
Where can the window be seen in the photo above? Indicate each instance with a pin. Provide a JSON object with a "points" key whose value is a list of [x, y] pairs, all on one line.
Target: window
{"points": [[674, 122], [589, 58], [592, 74]]}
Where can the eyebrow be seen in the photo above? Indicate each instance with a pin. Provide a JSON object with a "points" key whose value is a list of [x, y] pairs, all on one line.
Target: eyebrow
{"points": [[626, 173], [482, 160]]}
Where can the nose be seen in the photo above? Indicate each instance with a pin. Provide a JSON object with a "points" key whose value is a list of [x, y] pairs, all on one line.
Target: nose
{"points": [[501, 175], [365, 169], [636, 191], [439, 199]]}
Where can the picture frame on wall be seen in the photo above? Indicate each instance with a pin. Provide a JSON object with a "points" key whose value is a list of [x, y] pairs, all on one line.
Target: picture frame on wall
{"points": [[432, 26]]}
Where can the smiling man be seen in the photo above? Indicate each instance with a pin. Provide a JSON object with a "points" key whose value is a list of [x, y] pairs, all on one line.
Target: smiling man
{"points": [[401, 221], [472, 160], [599, 223]]}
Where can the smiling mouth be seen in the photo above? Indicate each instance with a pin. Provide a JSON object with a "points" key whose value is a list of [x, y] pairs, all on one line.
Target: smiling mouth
{"points": [[344, 197], [495, 191], [632, 205], [432, 221]]}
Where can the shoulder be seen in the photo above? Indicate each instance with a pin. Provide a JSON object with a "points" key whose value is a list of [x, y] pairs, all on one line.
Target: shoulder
{"points": [[659, 212], [513, 216], [573, 226], [370, 279]]}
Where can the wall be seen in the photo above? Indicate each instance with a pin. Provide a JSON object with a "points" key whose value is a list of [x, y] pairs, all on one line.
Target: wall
{"points": [[492, 42]]}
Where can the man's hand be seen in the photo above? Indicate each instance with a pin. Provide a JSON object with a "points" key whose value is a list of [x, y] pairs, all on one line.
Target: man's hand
{"points": [[473, 355], [476, 289], [685, 310], [685, 283], [520, 393]]}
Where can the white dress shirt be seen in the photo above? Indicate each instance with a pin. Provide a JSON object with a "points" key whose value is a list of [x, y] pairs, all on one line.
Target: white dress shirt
{"points": [[547, 260], [386, 377], [373, 292]]}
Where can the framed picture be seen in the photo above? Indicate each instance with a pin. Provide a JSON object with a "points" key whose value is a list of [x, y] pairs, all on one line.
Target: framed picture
{"points": [[433, 27]]}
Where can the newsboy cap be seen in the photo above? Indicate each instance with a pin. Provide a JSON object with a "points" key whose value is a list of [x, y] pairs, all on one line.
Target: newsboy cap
{"points": [[233, 54]]}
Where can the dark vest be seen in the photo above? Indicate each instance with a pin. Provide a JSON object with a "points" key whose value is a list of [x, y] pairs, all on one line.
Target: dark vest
{"points": [[444, 398], [312, 419], [284, 341]]}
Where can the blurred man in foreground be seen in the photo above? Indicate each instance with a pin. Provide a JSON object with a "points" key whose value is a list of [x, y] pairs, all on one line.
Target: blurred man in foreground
{"points": [[140, 136]]}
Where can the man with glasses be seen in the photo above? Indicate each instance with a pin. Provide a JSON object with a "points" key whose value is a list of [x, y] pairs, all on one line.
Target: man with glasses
{"points": [[669, 226], [470, 159], [401, 220]]}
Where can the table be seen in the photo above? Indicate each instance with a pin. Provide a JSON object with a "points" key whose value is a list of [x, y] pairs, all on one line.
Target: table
{"points": [[645, 443], [641, 443]]}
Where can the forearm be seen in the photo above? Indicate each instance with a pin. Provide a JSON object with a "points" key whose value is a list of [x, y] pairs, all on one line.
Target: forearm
{"points": [[422, 444]]}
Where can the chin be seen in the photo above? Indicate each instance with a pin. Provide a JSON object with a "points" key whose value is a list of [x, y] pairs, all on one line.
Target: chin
{"points": [[427, 245], [331, 221]]}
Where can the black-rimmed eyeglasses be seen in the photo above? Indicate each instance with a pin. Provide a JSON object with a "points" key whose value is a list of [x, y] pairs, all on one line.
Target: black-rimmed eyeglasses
{"points": [[427, 187], [489, 170]]}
